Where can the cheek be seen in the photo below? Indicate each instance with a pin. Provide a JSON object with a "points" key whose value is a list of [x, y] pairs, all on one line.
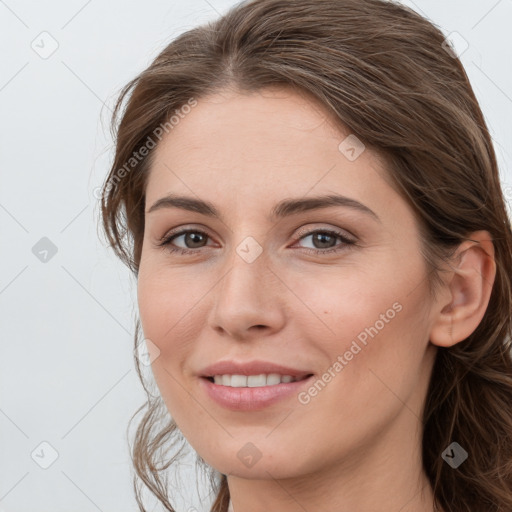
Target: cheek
{"points": [[155, 303], [163, 314], [171, 306], [166, 309], [372, 320], [167, 302], [374, 356]]}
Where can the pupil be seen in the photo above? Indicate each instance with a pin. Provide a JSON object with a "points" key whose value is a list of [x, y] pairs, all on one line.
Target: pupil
{"points": [[322, 237], [194, 236]]}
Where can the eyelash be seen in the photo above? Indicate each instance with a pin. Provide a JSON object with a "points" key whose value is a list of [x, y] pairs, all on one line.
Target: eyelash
{"points": [[165, 242]]}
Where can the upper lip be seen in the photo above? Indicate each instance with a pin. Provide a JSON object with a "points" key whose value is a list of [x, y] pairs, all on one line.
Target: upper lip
{"points": [[251, 368]]}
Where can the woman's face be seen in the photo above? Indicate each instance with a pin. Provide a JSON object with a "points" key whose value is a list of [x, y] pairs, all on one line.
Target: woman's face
{"points": [[337, 292]]}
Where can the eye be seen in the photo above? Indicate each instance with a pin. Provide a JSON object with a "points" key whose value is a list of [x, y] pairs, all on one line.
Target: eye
{"points": [[325, 238], [197, 238]]}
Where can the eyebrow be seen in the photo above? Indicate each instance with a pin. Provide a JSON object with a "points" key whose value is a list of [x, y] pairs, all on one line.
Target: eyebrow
{"points": [[284, 208]]}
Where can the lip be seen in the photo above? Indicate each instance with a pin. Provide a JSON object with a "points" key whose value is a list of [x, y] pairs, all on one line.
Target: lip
{"points": [[252, 399], [256, 367]]}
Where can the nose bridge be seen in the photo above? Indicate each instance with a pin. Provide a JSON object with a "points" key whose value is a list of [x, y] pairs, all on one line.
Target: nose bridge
{"points": [[245, 279], [248, 293]]}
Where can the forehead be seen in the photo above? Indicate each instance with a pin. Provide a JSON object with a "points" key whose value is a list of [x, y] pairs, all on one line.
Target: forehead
{"points": [[257, 147]]}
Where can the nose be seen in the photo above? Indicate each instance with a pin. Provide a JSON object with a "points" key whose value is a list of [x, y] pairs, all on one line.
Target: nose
{"points": [[248, 300]]}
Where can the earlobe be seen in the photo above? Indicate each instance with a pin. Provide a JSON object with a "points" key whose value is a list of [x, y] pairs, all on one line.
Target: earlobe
{"points": [[468, 290]]}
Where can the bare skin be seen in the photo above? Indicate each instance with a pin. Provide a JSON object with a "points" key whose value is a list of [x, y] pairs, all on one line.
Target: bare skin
{"points": [[356, 443]]}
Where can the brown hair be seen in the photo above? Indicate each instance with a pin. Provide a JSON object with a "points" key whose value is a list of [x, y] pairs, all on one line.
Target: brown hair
{"points": [[389, 76]]}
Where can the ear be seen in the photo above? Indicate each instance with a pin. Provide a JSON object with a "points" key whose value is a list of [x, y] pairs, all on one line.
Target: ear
{"points": [[469, 287]]}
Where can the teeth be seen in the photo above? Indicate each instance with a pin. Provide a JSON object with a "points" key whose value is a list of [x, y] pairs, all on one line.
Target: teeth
{"points": [[252, 381]]}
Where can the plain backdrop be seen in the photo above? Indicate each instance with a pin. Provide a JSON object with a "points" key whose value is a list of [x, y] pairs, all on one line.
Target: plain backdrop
{"points": [[67, 306]]}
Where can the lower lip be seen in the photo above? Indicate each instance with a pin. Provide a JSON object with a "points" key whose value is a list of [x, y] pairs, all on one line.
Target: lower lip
{"points": [[251, 399]]}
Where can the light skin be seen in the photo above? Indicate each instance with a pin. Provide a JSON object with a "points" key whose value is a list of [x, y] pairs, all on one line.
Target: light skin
{"points": [[357, 444]]}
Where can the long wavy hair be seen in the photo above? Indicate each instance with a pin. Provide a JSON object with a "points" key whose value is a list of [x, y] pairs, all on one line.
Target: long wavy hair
{"points": [[393, 79]]}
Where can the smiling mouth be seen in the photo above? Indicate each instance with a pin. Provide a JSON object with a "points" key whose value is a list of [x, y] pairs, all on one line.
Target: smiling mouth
{"points": [[252, 381]]}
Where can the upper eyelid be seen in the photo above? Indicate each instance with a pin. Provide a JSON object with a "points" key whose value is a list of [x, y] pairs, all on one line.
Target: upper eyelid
{"points": [[310, 230]]}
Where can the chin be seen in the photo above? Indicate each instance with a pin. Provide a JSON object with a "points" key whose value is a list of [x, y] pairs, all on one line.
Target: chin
{"points": [[246, 460]]}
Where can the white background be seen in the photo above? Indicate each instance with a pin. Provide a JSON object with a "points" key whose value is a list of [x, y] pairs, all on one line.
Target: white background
{"points": [[66, 367]]}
